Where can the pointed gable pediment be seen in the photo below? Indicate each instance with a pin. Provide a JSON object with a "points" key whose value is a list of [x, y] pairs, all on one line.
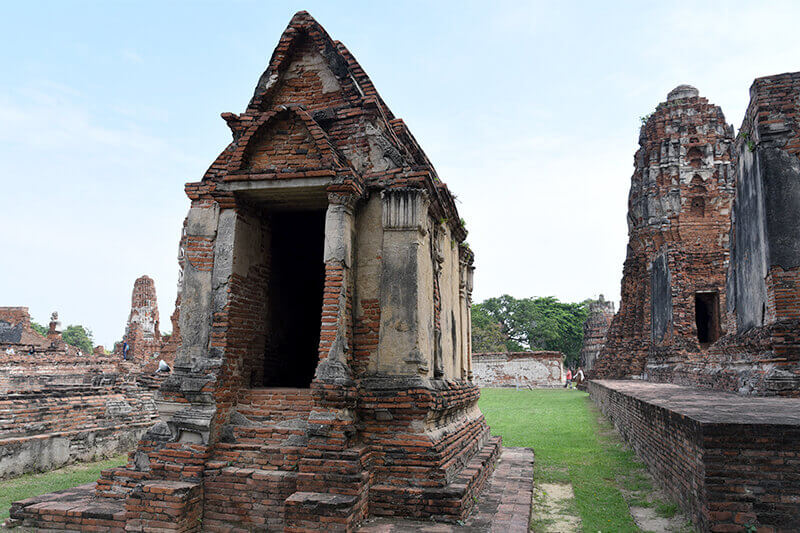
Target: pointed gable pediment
{"points": [[284, 140], [316, 114], [306, 69]]}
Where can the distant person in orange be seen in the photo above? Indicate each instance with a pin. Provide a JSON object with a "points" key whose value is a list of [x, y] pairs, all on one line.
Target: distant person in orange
{"points": [[569, 378]]}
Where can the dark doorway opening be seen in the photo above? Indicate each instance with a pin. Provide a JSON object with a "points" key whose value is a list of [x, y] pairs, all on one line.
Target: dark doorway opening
{"points": [[698, 208], [296, 282], [706, 313]]}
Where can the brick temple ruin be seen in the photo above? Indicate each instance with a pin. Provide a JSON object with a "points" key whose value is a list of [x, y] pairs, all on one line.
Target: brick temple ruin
{"points": [[709, 323], [324, 371], [59, 405], [519, 369], [679, 215], [145, 345], [595, 329]]}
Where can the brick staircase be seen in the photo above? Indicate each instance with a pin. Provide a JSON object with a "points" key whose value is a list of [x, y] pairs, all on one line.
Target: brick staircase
{"points": [[255, 467]]}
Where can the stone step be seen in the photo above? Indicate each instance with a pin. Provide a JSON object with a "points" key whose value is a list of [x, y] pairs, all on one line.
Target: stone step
{"points": [[450, 502], [247, 499], [118, 482], [305, 511], [74, 509], [292, 433]]}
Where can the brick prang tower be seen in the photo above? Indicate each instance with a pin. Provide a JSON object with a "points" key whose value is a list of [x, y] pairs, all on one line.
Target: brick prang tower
{"points": [[679, 216], [142, 330], [595, 329]]}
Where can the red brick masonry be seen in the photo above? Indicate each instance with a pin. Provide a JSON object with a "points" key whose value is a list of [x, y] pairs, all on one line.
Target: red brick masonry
{"points": [[503, 506], [729, 461], [59, 406], [368, 408]]}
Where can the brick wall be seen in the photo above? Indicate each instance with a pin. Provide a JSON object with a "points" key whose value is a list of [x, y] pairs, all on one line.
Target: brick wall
{"points": [[727, 461], [664, 440], [524, 369], [49, 428], [60, 406]]}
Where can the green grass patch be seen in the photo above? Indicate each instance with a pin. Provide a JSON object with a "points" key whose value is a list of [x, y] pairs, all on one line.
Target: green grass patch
{"points": [[563, 431], [542, 524], [28, 485], [666, 509]]}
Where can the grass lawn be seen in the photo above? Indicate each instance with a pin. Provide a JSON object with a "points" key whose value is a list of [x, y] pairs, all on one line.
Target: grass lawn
{"points": [[19, 488], [571, 446]]}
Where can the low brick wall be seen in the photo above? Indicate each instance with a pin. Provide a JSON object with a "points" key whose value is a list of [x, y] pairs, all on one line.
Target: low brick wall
{"points": [[524, 369], [729, 461], [59, 405], [47, 429], [23, 372]]}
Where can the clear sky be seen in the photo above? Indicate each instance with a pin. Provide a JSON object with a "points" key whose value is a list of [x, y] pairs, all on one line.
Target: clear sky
{"points": [[529, 110]]}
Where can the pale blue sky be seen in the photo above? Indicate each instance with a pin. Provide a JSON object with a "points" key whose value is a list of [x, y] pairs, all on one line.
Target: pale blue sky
{"points": [[529, 110]]}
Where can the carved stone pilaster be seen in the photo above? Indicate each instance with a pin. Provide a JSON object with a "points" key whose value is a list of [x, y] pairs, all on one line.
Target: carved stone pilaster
{"points": [[437, 260], [405, 209], [405, 302]]}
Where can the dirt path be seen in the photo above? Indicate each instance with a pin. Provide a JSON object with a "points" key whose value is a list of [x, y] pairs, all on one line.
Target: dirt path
{"points": [[554, 509]]}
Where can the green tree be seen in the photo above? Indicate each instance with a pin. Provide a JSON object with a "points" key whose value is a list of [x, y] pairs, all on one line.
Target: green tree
{"points": [[487, 333], [38, 328], [539, 323], [79, 337]]}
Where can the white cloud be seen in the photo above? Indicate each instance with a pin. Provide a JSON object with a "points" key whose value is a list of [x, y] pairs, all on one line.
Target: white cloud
{"points": [[132, 56]]}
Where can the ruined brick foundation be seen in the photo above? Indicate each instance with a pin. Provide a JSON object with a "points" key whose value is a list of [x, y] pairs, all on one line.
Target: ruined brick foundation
{"points": [[60, 406], [707, 302], [760, 354]]}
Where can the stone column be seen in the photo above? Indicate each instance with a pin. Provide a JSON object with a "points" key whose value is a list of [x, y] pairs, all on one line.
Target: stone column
{"points": [[330, 465], [335, 337], [463, 313], [468, 334], [406, 330], [194, 363]]}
